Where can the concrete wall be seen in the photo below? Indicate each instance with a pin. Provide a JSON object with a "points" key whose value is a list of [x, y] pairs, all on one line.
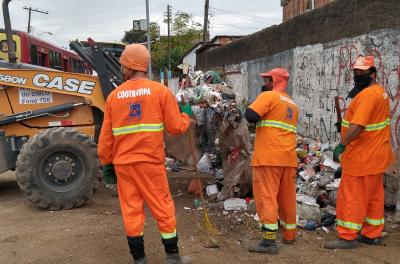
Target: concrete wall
{"points": [[337, 20], [322, 71], [191, 59]]}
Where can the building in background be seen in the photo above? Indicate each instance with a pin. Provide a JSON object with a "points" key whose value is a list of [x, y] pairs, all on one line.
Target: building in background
{"points": [[217, 41], [293, 8]]}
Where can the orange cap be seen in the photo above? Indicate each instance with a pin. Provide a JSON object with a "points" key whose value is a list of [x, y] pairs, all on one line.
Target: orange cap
{"points": [[135, 57], [364, 63], [280, 79]]}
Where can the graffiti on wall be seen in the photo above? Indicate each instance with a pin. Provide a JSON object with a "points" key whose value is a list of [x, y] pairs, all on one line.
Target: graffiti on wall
{"points": [[321, 72]]}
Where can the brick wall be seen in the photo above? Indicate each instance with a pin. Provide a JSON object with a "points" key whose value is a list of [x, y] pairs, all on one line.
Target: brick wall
{"points": [[292, 8]]}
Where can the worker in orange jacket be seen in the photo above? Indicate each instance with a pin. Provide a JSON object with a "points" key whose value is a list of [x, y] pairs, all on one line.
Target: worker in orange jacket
{"points": [[274, 162], [132, 140], [365, 153]]}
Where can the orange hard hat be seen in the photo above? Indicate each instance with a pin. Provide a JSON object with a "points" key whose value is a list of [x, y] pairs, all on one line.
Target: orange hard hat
{"points": [[364, 63], [135, 57], [280, 78]]}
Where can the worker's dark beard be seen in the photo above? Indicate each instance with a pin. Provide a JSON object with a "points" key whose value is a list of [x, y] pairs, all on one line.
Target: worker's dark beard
{"points": [[360, 83]]}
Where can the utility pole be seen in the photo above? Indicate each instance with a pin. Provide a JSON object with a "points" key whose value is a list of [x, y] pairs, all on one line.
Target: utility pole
{"points": [[169, 37], [205, 30], [148, 37], [30, 10]]}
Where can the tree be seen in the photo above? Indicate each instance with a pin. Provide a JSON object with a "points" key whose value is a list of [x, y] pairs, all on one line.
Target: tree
{"points": [[134, 36], [186, 33]]}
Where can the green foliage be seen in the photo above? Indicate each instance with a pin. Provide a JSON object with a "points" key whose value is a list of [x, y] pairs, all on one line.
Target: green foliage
{"points": [[132, 36], [185, 34]]}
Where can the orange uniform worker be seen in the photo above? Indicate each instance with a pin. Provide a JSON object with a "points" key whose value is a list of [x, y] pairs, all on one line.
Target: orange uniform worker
{"points": [[274, 160], [367, 153], [132, 139]]}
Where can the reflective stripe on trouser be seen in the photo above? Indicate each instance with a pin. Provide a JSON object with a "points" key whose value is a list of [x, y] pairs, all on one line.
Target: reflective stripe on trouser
{"points": [[275, 195], [360, 206], [118, 131], [370, 127], [277, 124], [145, 183]]}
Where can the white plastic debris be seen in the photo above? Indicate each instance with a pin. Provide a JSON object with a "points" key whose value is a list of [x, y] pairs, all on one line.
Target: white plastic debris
{"points": [[212, 190], [326, 230], [233, 204], [304, 199], [187, 208], [303, 174], [256, 217], [307, 208], [204, 164], [333, 185], [309, 212], [328, 162], [219, 174]]}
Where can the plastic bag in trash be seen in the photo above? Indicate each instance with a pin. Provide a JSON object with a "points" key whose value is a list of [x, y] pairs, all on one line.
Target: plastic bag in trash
{"points": [[204, 164]]}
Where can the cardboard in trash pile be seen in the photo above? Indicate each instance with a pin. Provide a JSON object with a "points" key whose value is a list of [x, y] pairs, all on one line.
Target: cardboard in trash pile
{"points": [[235, 204], [179, 147]]}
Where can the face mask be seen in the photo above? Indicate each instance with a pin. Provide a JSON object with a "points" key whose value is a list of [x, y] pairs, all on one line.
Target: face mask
{"points": [[360, 83], [265, 89]]}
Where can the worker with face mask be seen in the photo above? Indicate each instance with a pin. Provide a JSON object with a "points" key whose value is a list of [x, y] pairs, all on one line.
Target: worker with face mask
{"points": [[365, 152], [274, 162]]}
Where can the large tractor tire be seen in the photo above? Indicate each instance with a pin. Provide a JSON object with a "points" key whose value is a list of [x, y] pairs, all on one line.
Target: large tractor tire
{"points": [[58, 169]]}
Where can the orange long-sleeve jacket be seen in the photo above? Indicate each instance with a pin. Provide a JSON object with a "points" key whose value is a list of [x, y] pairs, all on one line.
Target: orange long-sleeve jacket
{"points": [[136, 115]]}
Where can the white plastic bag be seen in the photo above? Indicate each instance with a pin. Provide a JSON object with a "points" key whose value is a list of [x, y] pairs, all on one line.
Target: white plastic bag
{"points": [[204, 164]]}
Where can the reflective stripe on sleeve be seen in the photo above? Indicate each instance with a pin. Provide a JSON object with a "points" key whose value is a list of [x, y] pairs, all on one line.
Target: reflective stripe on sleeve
{"points": [[137, 129]]}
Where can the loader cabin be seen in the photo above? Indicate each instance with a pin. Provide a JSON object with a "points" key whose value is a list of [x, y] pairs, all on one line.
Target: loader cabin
{"points": [[33, 50], [111, 48]]}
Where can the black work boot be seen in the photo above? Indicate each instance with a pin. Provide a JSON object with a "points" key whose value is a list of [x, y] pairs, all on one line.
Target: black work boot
{"points": [[370, 241], [171, 248], [136, 247], [267, 244], [341, 244]]}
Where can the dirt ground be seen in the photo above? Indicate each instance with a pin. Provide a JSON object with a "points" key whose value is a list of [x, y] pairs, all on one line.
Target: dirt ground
{"points": [[94, 234]]}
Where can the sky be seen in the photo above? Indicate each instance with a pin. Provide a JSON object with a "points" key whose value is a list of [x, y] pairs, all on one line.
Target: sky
{"points": [[105, 20]]}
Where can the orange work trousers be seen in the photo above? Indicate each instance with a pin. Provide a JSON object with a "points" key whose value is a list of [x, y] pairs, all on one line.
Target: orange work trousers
{"points": [[145, 183], [275, 195], [360, 206]]}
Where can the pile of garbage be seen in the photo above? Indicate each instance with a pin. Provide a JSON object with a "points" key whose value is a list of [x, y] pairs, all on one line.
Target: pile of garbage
{"points": [[219, 137], [223, 149], [318, 181]]}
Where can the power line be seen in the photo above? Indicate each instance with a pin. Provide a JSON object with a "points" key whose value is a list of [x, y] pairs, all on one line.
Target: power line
{"points": [[248, 20], [237, 13], [30, 10], [226, 23]]}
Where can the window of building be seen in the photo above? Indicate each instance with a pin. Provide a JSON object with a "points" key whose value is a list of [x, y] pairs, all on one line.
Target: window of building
{"points": [[34, 55]]}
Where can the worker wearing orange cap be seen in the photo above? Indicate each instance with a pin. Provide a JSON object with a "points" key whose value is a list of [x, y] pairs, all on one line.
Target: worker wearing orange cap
{"points": [[274, 160], [132, 139], [365, 153]]}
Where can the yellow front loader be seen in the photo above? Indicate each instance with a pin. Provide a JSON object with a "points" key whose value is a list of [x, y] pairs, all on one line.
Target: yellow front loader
{"points": [[49, 123]]}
